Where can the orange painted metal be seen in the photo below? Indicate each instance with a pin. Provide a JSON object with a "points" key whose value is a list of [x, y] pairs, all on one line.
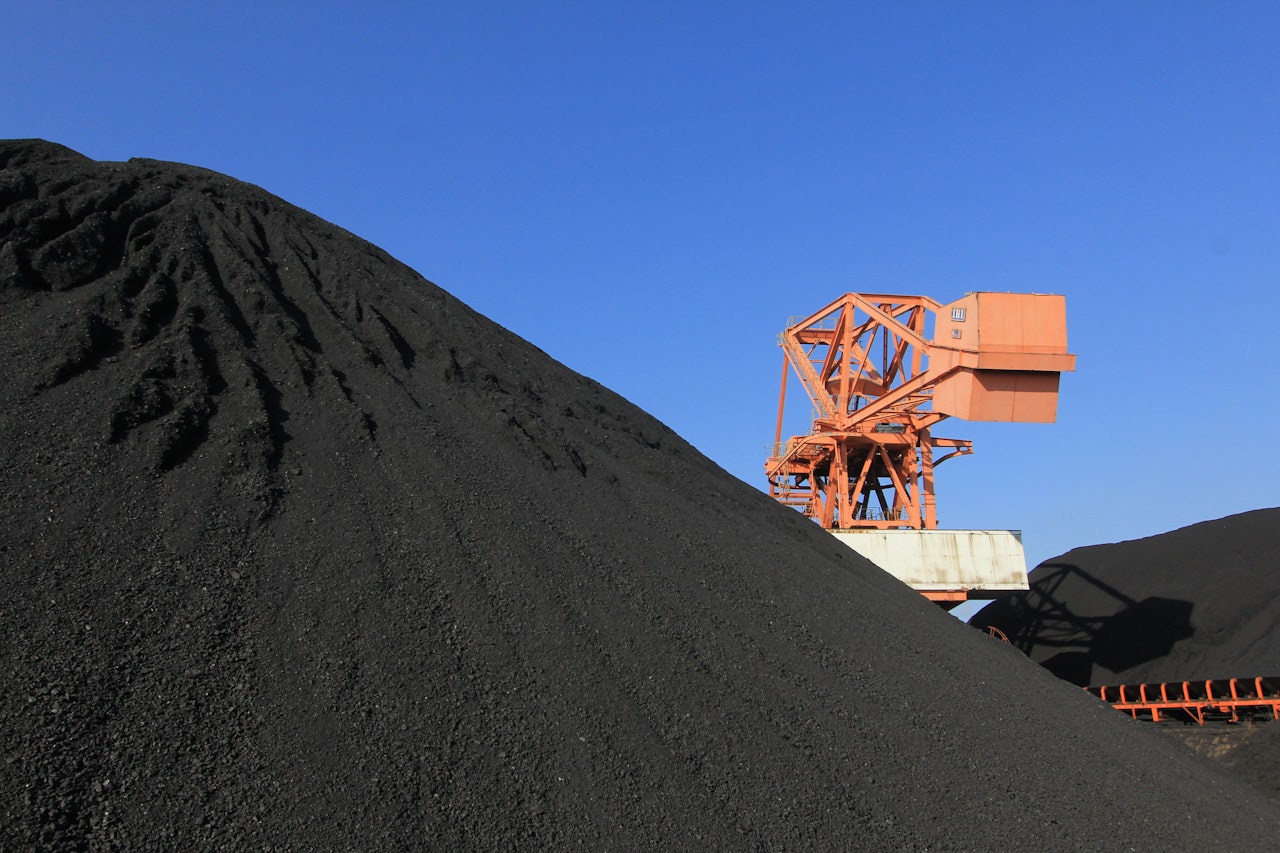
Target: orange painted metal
{"points": [[879, 381], [993, 631], [950, 597], [1219, 699], [1008, 350]]}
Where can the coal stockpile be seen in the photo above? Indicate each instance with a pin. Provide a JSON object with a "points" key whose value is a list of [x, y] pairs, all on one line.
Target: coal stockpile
{"points": [[1196, 603], [301, 553], [1257, 760]]}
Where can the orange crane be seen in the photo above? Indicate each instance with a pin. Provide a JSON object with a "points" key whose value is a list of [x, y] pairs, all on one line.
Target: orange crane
{"points": [[881, 371]]}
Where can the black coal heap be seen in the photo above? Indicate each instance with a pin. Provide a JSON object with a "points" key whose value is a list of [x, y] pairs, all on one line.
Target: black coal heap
{"points": [[300, 552]]}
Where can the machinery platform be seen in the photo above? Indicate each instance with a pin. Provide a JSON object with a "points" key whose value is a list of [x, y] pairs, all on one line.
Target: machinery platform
{"points": [[947, 566]]}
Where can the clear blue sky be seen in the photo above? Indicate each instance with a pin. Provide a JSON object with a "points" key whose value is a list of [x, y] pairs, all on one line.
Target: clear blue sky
{"points": [[648, 190]]}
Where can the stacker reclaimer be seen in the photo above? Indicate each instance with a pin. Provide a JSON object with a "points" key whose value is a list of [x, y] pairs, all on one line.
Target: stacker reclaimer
{"points": [[881, 371]]}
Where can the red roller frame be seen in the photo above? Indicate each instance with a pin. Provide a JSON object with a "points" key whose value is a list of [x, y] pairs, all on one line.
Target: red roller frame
{"points": [[1222, 699]]}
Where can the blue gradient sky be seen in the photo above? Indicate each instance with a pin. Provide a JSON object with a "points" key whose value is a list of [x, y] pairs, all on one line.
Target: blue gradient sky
{"points": [[647, 191]]}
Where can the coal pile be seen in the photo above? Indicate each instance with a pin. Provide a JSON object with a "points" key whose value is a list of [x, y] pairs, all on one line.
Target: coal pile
{"points": [[301, 553], [1257, 760], [1197, 603]]}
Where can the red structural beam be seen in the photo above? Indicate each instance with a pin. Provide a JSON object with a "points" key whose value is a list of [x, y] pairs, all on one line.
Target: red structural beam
{"points": [[1197, 701], [881, 371]]}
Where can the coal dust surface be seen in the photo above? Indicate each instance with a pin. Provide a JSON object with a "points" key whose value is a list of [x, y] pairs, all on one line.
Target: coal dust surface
{"points": [[298, 552], [1197, 603]]}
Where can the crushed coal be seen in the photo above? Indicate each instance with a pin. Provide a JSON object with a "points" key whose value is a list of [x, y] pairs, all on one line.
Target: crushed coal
{"points": [[1201, 602], [299, 552], [1196, 603], [1257, 760]]}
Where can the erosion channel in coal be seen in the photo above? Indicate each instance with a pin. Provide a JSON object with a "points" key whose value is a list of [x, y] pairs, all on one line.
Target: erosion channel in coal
{"points": [[299, 552]]}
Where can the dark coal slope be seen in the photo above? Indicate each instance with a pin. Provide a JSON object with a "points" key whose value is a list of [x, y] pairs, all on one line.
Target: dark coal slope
{"points": [[1199, 602], [299, 552], [1257, 761]]}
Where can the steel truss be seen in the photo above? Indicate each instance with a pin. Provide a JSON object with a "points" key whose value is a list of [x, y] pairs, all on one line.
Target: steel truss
{"points": [[868, 460]]}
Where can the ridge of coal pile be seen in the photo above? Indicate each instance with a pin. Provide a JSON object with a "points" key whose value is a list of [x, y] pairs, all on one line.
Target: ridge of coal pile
{"points": [[300, 552], [1195, 603]]}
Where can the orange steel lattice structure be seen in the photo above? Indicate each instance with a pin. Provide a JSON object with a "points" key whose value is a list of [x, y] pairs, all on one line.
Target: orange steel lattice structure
{"points": [[878, 386], [1199, 702]]}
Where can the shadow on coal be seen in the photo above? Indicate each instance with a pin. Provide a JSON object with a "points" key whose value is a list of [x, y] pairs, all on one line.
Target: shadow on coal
{"points": [[1096, 628]]}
